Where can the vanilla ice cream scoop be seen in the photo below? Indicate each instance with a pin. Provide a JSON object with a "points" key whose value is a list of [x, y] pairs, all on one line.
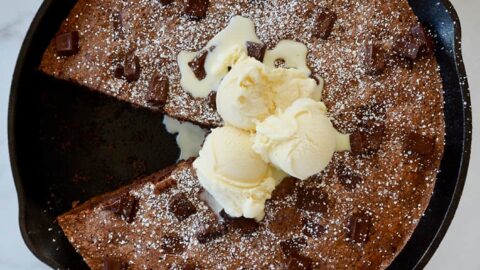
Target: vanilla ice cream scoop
{"points": [[234, 174], [251, 92], [300, 140]]}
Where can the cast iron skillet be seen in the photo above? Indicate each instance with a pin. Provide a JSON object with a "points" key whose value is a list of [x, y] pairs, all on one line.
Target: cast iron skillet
{"points": [[68, 144]]}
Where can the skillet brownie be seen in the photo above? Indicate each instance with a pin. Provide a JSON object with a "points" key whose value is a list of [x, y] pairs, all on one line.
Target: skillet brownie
{"points": [[382, 85]]}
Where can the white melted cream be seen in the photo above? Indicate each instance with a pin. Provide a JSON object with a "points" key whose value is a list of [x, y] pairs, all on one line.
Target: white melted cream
{"points": [[229, 46], [293, 53], [189, 139]]}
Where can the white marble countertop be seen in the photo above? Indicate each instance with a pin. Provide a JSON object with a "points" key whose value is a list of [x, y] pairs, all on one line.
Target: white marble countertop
{"points": [[459, 249]]}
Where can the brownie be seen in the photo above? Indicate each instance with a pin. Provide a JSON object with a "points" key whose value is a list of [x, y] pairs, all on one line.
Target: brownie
{"points": [[155, 32]]}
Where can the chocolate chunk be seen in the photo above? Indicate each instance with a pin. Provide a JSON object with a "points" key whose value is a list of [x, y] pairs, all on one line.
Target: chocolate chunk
{"points": [[164, 185], [212, 100], [117, 23], [293, 246], [313, 229], [299, 262], [359, 226], [422, 38], [312, 199], [66, 44], [211, 232], [367, 142], [358, 143], [373, 59], [419, 144], [114, 264], [279, 63], [197, 9], [286, 221], [158, 90], [126, 207], [165, 2], [256, 50], [285, 188], [181, 207], [172, 244], [118, 72], [198, 65], [347, 177], [241, 224], [406, 49], [131, 67], [324, 22]]}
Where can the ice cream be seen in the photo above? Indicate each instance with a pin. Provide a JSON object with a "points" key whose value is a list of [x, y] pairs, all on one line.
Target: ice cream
{"points": [[236, 176], [251, 92], [300, 140]]}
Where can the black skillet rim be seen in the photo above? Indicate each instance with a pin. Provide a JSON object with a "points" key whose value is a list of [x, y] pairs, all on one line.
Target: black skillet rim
{"points": [[448, 217]]}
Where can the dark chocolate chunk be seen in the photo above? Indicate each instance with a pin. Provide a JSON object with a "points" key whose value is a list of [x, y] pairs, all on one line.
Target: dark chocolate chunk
{"points": [[117, 23], [367, 142], [373, 59], [212, 100], [347, 177], [312, 199], [256, 50], [66, 44], [422, 38], [279, 63], [299, 262], [406, 49], [181, 207], [158, 90], [313, 229], [357, 143], [419, 144], [198, 65], [286, 221], [172, 244], [131, 67], [211, 232], [324, 22], [293, 246], [165, 2], [114, 264], [359, 226], [164, 185], [240, 224], [118, 72], [197, 9], [126, 207]]}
